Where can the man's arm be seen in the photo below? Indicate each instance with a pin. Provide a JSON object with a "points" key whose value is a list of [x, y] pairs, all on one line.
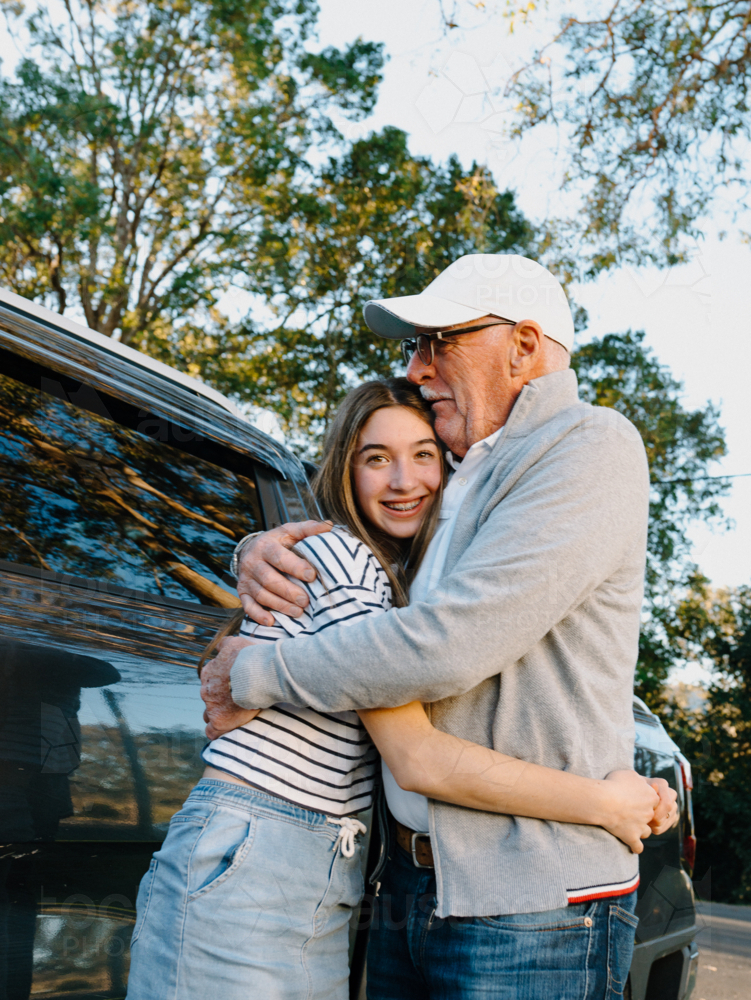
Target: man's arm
{"points": [[566, 526]]}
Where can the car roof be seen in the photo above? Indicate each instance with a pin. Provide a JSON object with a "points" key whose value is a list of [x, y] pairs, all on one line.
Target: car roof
{"points": [[44, 337], [98, 340], [650, 731]]}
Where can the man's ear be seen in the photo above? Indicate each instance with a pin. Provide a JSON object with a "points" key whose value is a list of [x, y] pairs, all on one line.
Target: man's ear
{"points": [[528, 344]]}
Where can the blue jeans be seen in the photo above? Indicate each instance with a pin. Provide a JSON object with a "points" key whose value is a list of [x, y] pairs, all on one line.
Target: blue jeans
{"points": [[581, 952], [248, 897]]}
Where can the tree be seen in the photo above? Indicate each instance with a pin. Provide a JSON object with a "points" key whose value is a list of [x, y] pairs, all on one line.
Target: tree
{"points": [[715, 627], [653, 95], [619, 371], [153, 158], [137, 150], [372, 223], [156, 156]]}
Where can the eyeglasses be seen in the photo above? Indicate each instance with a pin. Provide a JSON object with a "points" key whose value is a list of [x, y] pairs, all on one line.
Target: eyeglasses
{"points": [[424, 343]]}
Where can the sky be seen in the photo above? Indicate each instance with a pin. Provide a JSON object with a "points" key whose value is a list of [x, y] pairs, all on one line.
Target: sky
{"points": [[440, 87]]}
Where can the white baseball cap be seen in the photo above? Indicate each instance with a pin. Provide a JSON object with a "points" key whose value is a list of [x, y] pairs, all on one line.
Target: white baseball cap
{"points": [[479, 284]]}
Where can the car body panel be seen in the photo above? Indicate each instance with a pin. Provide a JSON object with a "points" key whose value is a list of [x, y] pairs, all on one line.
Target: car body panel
{"points": [[663, 967]]}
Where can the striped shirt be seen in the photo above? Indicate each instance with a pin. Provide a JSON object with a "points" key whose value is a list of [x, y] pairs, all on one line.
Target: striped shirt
{"points": [[318, 760]]}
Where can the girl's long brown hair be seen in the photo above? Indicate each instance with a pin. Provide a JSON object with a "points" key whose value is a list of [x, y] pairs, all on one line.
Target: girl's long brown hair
{"points": [[334, 488]]}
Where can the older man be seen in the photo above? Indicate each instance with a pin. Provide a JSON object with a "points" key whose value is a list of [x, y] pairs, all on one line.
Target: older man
{"points": [[522, 633]]}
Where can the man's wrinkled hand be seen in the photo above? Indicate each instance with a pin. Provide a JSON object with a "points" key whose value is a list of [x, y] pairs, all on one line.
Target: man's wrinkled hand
{"points": [[265, 567], [222, 714]]}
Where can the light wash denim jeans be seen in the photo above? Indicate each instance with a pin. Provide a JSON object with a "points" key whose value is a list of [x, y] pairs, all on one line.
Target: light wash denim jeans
{"points": [[250, 896], [581, 952]]}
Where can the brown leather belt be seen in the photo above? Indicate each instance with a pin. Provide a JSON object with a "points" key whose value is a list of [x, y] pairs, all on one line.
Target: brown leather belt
{"points": [[416, 844]]}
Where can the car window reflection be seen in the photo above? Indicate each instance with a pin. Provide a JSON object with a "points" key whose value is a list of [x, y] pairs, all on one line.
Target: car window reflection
{"points": [[95, 754], [40, 734], [83, 495], [142, 742], [94, 749]]}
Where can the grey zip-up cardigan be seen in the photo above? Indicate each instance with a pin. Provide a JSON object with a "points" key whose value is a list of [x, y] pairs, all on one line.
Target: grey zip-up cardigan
{"points": [[528, 645]]}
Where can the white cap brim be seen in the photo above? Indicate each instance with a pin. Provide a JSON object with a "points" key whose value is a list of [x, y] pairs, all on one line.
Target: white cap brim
{"points": [[404, 315]]}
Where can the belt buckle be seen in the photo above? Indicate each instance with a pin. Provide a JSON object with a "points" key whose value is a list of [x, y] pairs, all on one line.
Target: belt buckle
{"points": [[415, 862]]}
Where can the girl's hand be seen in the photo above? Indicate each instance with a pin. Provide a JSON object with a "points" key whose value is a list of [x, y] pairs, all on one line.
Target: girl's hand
{"points": [[639, 807], [631, 806], [666, 813]]}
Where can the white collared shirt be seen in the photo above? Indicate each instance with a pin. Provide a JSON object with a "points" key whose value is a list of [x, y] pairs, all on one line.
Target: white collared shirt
{"points": [[411, 808]]}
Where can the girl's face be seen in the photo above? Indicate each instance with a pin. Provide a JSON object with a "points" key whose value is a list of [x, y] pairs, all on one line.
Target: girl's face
{"points": [[397, 470]]}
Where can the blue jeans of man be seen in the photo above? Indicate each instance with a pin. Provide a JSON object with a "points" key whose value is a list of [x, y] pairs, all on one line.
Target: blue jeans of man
{"points": [[581, 952]]}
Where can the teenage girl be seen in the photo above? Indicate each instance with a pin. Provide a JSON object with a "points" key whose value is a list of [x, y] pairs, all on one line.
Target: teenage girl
{"points": [[252, 892]]}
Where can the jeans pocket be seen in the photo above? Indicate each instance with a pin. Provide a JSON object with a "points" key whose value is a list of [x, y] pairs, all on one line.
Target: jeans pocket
{"points": [[219, 851], [144, 899], [552, 922], [342, 883], [353, 882], [625, 915], [621, 929]]}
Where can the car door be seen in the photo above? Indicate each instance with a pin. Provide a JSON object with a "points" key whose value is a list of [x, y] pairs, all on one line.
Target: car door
{"points": [[116, 529], [665, 896]]}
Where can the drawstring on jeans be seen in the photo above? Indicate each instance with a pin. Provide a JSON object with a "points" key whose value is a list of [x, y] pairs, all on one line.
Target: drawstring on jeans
{"points": [[349, 827]]}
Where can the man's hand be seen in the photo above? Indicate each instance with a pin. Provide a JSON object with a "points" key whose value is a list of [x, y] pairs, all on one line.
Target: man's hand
{"points": [[222, 714], [261, 584]]}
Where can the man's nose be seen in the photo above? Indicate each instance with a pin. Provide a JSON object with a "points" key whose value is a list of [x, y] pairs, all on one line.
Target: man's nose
{"points": [[419, 373]]}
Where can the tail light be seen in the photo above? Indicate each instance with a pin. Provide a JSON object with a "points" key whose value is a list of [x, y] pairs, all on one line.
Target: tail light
{"points": [[689, 838], [689, 851], [688, 778]]}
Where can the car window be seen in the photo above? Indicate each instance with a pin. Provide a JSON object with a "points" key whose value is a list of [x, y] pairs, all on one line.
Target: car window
{"points": [[654, 764], [85, 495], [666, 902], [299, 502]]}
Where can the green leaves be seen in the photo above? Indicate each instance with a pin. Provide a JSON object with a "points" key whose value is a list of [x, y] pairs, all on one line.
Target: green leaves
{"points": [[653, 96], [154, 161], [371, 223], [619, 371], [138, 150], [352, 76], [715, 732]]}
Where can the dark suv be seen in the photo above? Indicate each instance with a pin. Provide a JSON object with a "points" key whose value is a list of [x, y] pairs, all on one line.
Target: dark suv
{"points": [[125, 486], [666, 956]]}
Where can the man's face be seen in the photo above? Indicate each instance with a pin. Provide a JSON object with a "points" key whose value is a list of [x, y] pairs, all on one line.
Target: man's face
{"points": [[469, 384]]}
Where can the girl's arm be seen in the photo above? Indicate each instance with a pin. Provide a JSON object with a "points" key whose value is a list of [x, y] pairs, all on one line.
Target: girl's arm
{"points": [[425, 760]]}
